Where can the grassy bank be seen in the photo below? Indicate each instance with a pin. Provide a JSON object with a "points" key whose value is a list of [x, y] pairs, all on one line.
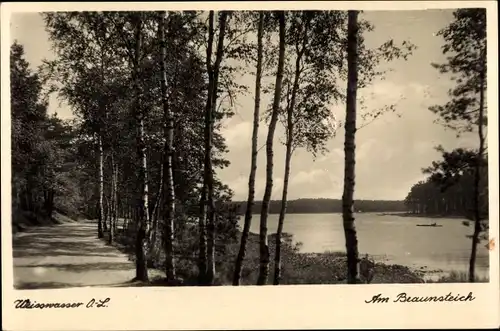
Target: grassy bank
{"points": [[23, 220], [457, 277], [319, 268], [297, 268]]}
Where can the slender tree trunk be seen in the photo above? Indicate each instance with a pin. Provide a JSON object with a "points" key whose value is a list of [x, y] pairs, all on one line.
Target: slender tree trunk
{"points": [[157, 201], [111, 203], [29, 195], [155, 213], [253, 167], [100, 220], [116, 210], [169, 207], [114, 196], [143, 217], [51, 202], [288, 160], [477, 181], [129, 215], [206, 263], [202, 257], [48, 202], [263, 240], [106, 214], [281, 220], [350, 149], [210, 180]]}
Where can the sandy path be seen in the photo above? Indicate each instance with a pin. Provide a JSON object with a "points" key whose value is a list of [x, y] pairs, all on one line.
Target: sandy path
{"points": [[67, 255]]}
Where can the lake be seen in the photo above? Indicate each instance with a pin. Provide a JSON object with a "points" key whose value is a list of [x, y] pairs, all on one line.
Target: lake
{"points": [[388, 238]]}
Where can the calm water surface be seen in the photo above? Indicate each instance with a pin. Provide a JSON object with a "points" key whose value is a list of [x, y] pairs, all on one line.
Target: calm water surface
{"points": [[389, 238]]}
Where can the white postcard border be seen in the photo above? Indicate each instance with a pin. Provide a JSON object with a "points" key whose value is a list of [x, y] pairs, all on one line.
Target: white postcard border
{"points": [[253, 307]]}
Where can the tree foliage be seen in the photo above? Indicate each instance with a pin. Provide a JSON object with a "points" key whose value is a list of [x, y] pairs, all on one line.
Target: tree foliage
{"points": [[43, 149], [465, 47], [150, 92], [96, 54], [447, 189]]}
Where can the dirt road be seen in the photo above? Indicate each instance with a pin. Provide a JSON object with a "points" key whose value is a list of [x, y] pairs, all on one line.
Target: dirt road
{"points": [[67, 255]]}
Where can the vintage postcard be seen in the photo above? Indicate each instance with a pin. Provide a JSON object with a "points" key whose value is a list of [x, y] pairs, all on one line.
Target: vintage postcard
{"points": [[249, 165]]}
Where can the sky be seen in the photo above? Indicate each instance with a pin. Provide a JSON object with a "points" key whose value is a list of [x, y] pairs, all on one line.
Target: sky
{"points": [[391, 151]]}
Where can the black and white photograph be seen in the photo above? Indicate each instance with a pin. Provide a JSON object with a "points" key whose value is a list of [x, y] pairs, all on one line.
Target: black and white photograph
{"points": [[239, 148], [194, 148]]}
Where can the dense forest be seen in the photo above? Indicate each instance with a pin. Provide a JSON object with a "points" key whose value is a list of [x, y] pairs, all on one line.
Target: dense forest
{"points": [[150, 91], [45, 161], [447, 190], [307, 206]]}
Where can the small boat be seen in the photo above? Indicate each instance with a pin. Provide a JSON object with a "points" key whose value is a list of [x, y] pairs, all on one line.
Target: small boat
{"points": [[433, 225]]}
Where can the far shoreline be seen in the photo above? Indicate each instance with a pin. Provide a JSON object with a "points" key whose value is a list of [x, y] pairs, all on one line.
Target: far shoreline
{"points": [[375, 213], [433, 216]]}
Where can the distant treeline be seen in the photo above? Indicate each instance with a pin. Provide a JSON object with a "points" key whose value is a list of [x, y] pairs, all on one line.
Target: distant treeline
{"points": [[311, 206], [449, 190]]}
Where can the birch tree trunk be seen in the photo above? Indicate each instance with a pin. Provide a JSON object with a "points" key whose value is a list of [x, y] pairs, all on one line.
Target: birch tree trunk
{"points": [[263, 240], [143, 217], [154, 212], [157, 200], [253, 167], [100, 220], [210, 180], [477, 178], [115, 197], [288, 160], [202, 255], [169, 207], [350, 149], [112, 203], [106, 212]]}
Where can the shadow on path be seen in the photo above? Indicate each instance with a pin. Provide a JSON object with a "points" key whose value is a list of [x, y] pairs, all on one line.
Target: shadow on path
{"points": [[68, 255]]}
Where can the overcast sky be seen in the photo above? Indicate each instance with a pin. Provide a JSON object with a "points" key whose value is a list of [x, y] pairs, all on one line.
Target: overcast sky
{"points": [[390, 152]]}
